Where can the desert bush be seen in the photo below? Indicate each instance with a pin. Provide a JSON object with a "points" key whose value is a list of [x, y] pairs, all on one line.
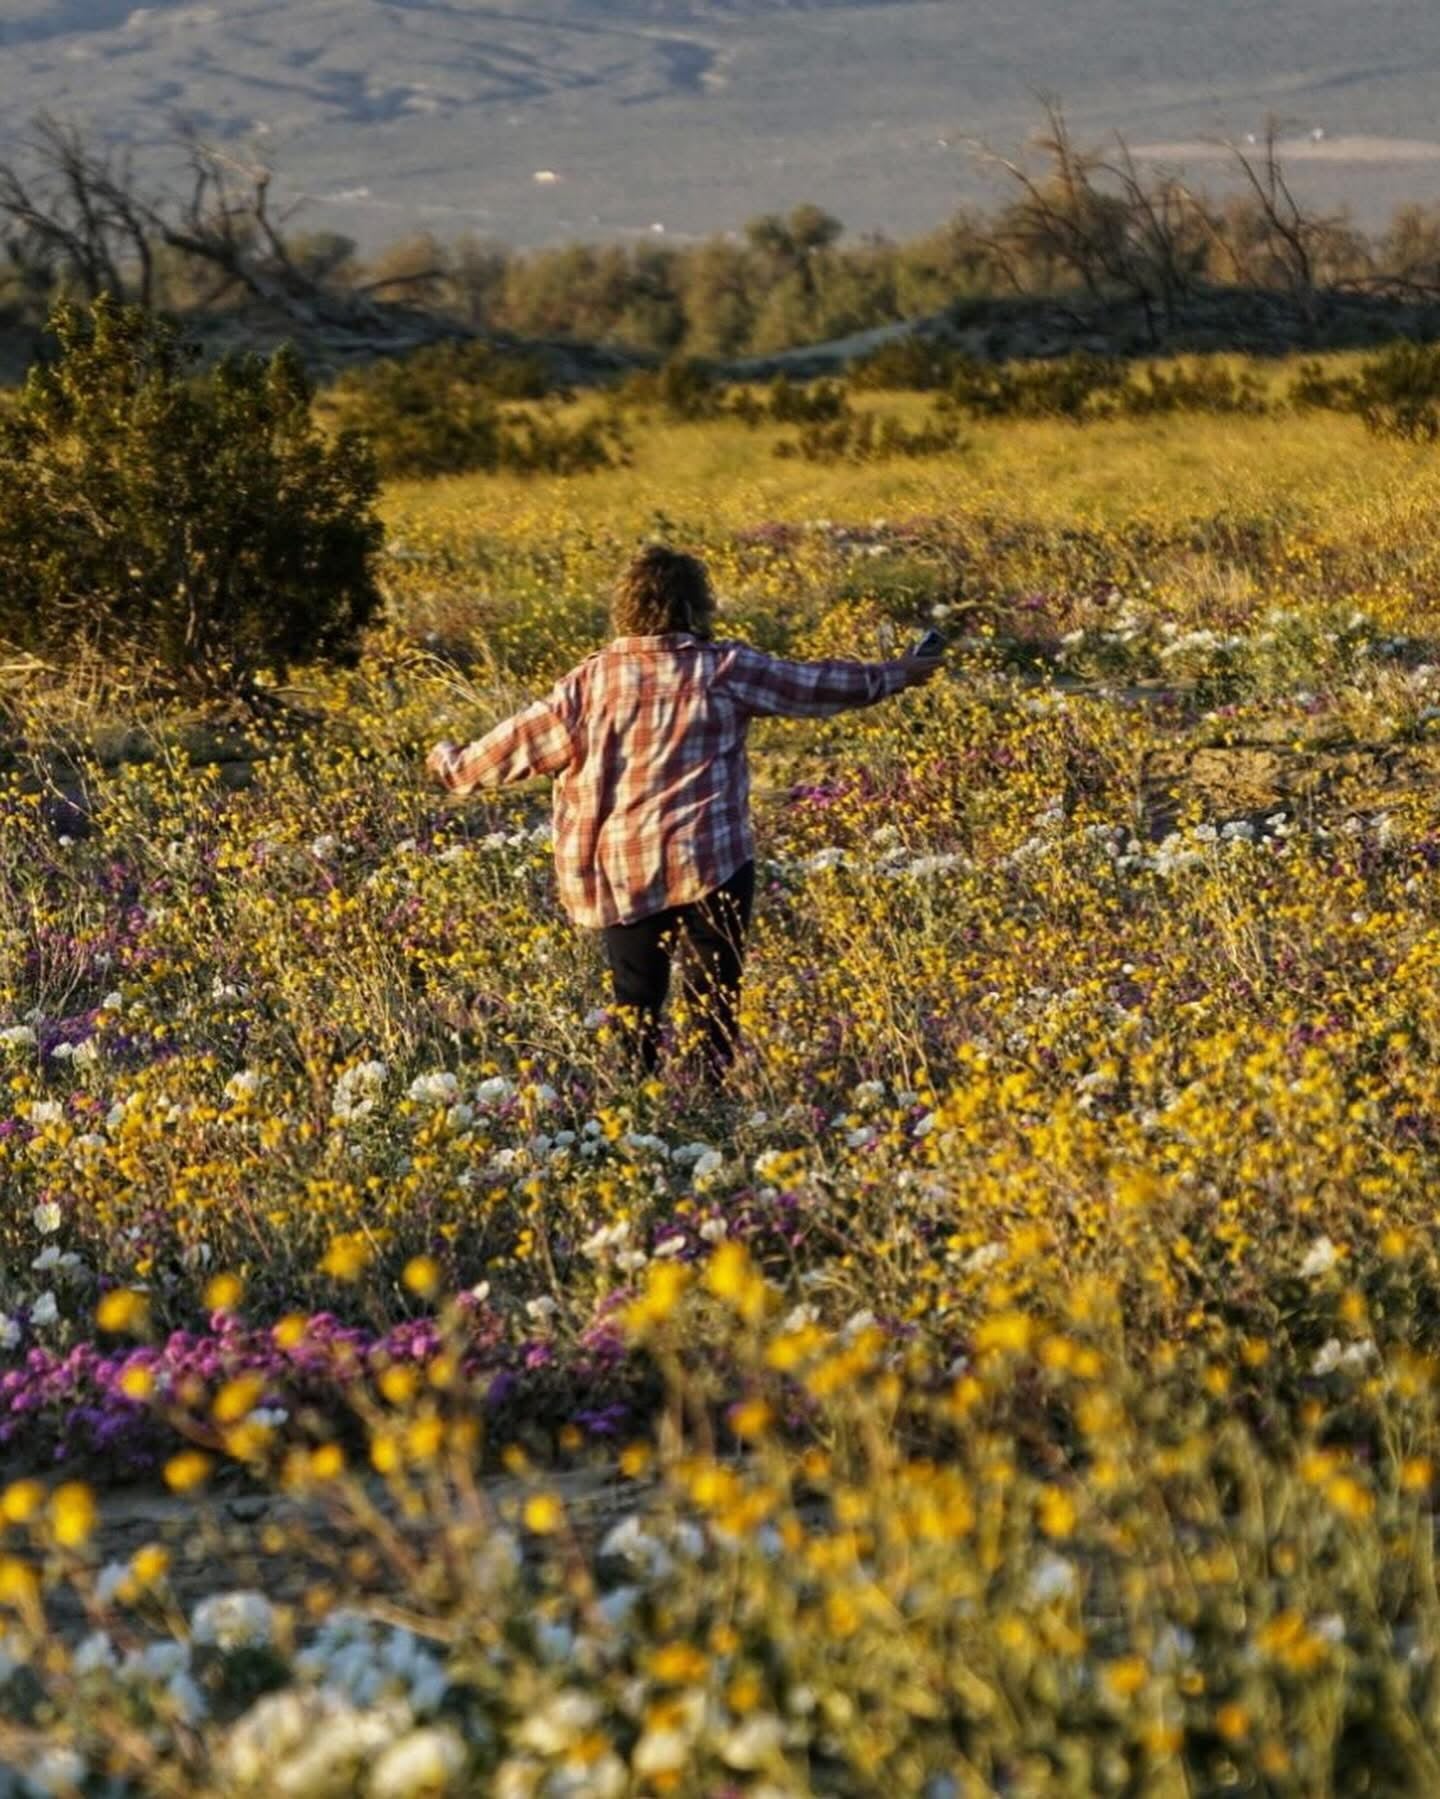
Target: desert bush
{"points": [[868, 437], [912, 364], [442, 411], [1199, 386], [203, 527], [1316, 388], [820, 403], [1079, 386], [684, 389], [1395, 394], [688, 390]]}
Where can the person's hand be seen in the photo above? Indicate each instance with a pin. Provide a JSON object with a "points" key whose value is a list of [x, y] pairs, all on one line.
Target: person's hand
{"points": [[920, 669], [439, 760]]}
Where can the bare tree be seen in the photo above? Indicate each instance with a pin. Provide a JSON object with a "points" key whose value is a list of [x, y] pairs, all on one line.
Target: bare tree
{"points": [[1167, 230], [1059, 216], [79, 215], [226, 221], [1292, 238], [417, 267], [84, 215], [1098, 218]]}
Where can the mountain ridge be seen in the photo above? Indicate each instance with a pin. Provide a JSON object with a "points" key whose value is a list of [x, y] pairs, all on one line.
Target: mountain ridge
{"points": [[614, 118]]}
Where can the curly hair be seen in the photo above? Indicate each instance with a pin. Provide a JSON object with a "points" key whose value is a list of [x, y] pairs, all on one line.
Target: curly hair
{"points": [[663, 590]]}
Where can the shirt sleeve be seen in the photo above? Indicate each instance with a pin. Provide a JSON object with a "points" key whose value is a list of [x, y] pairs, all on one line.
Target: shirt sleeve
{"points": [[537, 740], [769, 686]]}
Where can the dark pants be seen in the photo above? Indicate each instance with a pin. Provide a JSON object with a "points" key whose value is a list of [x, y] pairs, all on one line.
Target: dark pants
{"points": [[713, 929]]}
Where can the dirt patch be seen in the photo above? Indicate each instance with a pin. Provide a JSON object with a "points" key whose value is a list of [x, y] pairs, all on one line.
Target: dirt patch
{"points": [[284, 1547], [1255, 780]]}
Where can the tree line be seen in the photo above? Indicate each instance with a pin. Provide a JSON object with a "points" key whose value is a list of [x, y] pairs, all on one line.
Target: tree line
{"points": [[76, 222]]}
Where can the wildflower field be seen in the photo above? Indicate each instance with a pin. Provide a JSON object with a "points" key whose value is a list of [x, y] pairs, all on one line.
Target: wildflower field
{"points": [[1021, 1379]]}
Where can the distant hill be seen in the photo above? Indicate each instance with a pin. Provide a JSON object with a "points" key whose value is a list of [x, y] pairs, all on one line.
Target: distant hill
{"points": [[543, 120]]}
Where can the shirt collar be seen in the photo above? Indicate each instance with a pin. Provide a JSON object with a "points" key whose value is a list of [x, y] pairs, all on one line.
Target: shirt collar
{"points": [[663, 640]]}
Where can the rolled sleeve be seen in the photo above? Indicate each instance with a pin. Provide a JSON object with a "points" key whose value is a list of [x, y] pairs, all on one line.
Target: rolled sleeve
{"points": [[770, 686], [537, 740]]}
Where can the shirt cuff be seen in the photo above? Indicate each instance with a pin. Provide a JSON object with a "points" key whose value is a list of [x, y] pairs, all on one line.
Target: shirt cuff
{"points": [[449, 767]]}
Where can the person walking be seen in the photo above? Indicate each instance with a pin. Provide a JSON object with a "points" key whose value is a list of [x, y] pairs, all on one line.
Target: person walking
{"points": [[645, 740]]}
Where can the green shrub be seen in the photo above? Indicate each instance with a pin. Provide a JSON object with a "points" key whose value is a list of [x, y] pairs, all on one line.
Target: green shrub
{"points": [[687, 390], [683, 389], [202, 527], [1398, 394], [868, 437], [910, 364], [1395, 394], [1078, 386], [442, 411], [820, 404], [1202, 386], [1313, 389]]}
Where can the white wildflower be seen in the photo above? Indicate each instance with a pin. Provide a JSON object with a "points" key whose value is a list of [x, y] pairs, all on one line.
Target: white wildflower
{"points": [[559, 1722], [184, 1694], [56, 1770], [157, 1661], [95, 1654], [439, 1088], [661, 1752], [638, 1548], [1319, 1259], [425, 1762], [357, 1091], [608, 1237], [753, 1743], [1053, 1578], [237, 1620]]}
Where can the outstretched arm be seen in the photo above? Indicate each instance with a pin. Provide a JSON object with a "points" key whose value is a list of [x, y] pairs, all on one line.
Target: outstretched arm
{"points": [[769, 685], [535, 741]]}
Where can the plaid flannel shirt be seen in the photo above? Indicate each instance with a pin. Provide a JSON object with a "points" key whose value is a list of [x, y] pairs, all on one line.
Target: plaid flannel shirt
{"points": [[646, 741]]}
